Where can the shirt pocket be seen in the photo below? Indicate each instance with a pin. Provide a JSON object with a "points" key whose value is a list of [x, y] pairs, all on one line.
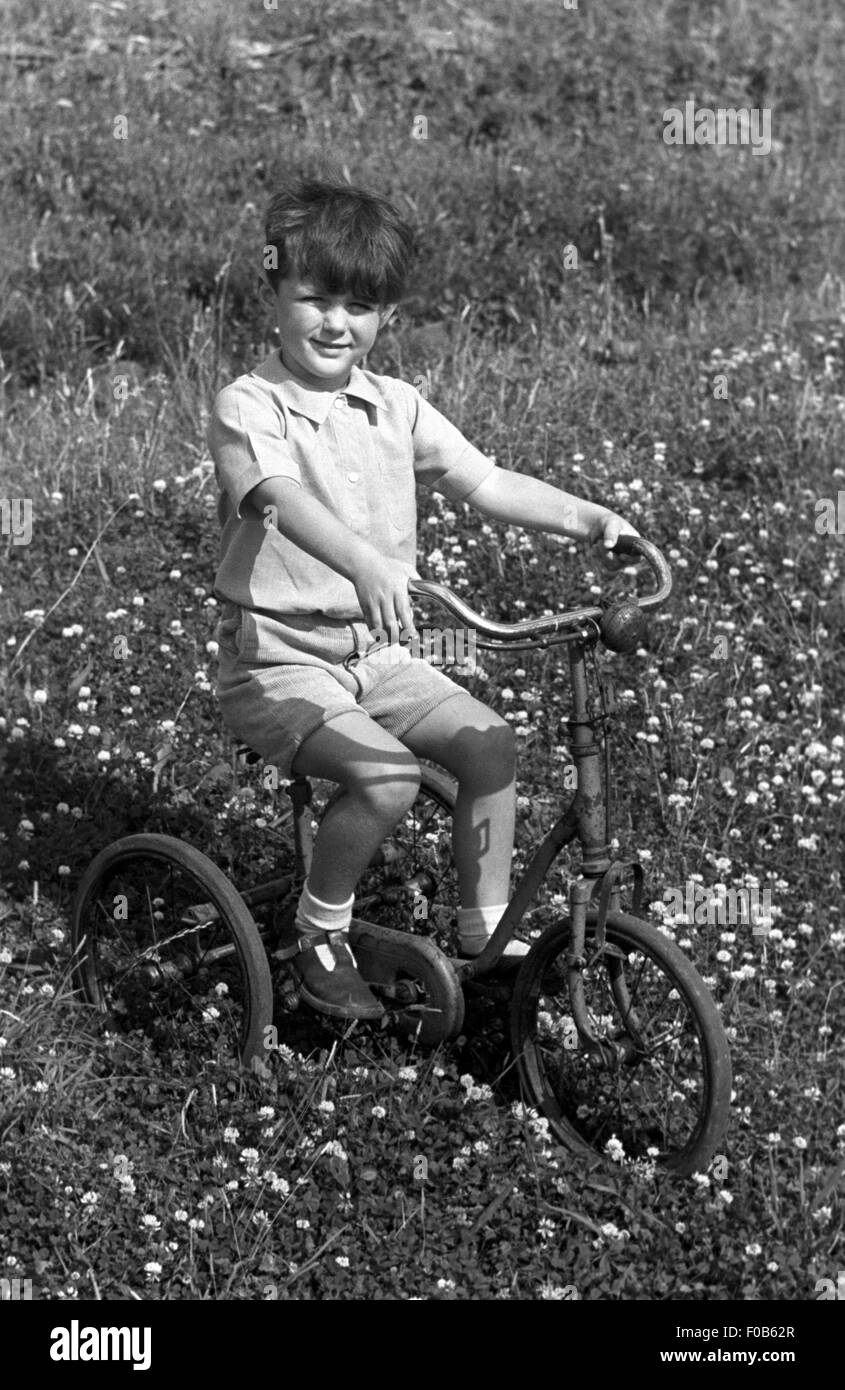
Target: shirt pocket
{"points": [[398, 491]]}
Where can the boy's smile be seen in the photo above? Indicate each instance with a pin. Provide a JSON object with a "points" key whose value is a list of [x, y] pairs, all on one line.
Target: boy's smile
{"points": [[323, 335]]}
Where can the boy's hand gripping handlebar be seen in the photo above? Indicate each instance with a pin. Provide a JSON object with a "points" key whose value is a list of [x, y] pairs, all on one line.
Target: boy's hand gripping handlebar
{"points": [[622, 625]]}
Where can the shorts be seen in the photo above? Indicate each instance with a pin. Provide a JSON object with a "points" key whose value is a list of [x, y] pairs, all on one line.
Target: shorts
{"points": [[279, 680]]}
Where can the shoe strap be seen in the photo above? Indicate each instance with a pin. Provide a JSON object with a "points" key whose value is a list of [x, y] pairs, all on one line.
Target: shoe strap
{"points": [[307, 940]]}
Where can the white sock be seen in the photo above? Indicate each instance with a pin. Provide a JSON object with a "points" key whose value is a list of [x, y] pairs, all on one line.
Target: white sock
{"points": [[314, 918], [476, 925]]}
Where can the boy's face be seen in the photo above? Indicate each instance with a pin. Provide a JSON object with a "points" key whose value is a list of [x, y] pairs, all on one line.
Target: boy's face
{"points": [[323, 335]]}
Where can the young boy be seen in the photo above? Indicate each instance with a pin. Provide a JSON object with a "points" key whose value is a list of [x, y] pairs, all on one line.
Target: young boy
{"points": [[317, 460]]}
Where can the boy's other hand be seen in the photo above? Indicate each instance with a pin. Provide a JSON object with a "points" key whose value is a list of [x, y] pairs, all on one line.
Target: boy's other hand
{"points": [[382, 588], [606, 531]]}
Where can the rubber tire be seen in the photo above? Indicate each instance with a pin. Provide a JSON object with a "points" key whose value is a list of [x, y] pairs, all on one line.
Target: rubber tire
{"points": [[217, 890], [696, 1154]]}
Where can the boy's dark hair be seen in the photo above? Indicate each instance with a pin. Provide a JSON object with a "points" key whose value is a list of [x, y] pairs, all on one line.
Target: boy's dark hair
{"points": [[347, 240]]}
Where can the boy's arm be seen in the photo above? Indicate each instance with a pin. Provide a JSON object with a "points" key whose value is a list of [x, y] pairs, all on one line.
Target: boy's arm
{"points": [[520, 500], [380, 583]]}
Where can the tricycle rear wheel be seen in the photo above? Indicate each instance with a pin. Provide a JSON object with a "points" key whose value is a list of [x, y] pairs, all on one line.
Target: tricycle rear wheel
{"points": [[165, 949]]}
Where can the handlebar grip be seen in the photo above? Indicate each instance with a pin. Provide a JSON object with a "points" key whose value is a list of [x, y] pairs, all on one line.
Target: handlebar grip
{"points": [[638, 545]]}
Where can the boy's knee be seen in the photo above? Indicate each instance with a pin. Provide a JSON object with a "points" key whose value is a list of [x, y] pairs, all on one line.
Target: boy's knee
{"points": [[389, 787]]}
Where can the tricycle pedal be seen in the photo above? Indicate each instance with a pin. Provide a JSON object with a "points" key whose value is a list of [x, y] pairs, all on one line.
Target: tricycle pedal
{"points": [[289, 995], [412, 972]]}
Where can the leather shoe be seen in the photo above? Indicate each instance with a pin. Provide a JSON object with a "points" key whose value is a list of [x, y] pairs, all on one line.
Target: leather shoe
{"points": [[330, 982]]}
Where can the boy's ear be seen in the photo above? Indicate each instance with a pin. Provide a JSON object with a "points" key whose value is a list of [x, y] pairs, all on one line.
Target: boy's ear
{"points": [[386, 315]]}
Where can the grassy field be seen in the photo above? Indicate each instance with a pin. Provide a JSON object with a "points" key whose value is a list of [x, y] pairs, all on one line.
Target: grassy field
{"points": [[686, 366]]}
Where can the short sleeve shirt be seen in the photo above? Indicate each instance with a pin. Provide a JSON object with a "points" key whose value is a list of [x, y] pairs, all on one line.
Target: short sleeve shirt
{"points": [[360, 451]]}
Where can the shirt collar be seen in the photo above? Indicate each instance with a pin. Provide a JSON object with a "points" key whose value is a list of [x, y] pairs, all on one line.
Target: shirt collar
{"points": [[314, 405]]}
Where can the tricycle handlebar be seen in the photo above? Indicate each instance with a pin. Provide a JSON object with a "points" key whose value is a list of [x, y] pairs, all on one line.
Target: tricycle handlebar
{"points": [[536, 629]]}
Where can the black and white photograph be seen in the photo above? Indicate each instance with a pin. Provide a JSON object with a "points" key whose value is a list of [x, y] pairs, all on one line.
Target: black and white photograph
{"points": [[422, 598]]}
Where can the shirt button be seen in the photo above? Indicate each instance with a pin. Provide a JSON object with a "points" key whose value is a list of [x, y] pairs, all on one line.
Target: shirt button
{"points": [[353, 477], [340, 402]]}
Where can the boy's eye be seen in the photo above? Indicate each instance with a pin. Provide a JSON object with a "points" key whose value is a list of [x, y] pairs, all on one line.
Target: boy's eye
{"points": [[358, 304]]}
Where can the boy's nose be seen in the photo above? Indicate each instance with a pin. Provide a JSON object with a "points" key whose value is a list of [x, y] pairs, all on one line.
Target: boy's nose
{"points": [[334, 319]]}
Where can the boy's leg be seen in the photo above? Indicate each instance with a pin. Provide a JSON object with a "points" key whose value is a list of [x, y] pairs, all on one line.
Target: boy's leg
{"points": [[380, 779], [479, 749]]}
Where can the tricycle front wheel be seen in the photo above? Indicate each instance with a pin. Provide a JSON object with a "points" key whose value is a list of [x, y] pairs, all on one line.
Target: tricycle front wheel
{"points": [[657, 1078]]}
